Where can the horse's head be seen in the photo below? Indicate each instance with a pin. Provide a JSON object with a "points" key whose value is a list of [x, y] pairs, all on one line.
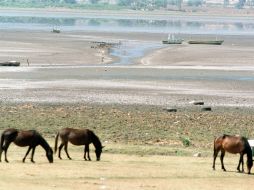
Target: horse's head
{"points": [[98, 152], [49, 155]]}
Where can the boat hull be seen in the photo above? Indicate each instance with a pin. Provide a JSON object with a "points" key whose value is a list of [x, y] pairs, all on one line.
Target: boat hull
{"points": [[172, 42], [10, 64], [215, 42]]}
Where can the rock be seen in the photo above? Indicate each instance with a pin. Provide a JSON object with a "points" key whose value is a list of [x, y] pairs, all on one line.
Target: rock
{"points": [[206, 109], [170, 109], [197, 154], [197, 102]]}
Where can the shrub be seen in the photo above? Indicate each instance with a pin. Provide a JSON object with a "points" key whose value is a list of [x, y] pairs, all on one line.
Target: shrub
{"points": [[186, 141]]}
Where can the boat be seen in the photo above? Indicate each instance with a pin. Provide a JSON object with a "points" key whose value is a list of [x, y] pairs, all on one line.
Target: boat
{"points": [[56, 31], [10, 63], [209, 42], [172, 40]]}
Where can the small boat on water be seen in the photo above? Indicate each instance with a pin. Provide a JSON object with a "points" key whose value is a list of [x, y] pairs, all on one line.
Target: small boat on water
{"points": [[209, 42], [10, 63], [172, 40]]}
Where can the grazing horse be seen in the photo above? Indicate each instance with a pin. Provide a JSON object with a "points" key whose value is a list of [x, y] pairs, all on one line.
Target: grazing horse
{"points": [[78, 137], [29, 138], [234, 145]]}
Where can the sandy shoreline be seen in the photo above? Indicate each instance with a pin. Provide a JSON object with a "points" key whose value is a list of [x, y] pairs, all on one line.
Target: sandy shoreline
{"points": [[169, 76]]}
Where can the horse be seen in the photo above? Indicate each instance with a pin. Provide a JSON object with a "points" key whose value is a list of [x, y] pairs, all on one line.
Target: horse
{"points": [[234, 145], [78, 137], [21, 138]]}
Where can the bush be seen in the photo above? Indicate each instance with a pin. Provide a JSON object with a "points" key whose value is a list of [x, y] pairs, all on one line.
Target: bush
{"points": [[186, 141]]}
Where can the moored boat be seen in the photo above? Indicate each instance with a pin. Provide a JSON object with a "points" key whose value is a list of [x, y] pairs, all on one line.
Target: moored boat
{"points": [[172, 40], [10, 63], [56, 31], [209, 42]]}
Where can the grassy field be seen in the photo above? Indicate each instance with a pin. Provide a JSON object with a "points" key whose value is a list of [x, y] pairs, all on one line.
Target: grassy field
{"points": [[119, 171], [144, 148]]}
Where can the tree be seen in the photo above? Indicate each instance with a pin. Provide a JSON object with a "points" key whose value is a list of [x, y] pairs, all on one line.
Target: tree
{"points": [[125, 2], [94, 1], [225, 3], [179, 4], [70, 1], [161, 3], [240, 4], [195, 3]]}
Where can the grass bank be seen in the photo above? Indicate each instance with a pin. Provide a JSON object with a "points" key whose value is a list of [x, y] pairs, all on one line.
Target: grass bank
{"points": [[133, 125]]}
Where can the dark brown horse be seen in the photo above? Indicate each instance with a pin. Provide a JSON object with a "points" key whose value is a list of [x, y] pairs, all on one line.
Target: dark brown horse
{"points": [[234, 145], [78, 137], [29, 138]]}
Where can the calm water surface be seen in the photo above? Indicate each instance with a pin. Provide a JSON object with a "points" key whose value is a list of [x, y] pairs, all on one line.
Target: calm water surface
{"points": [[162, 24]]}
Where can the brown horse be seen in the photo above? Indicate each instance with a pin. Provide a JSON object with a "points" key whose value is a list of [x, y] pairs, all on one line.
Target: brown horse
{"points": [[78, 137], [234, 145], [29, 138]]}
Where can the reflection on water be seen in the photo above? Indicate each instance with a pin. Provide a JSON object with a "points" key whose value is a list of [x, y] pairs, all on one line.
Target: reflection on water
{"points": [[165, 25]]}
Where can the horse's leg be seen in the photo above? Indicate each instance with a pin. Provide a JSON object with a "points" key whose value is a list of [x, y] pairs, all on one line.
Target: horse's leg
{"points": [[221, 159], [59, 151], [66, 150], [5, 148], [1, 148], [27, 153], [215, 154], [240, 162], [87, 151], [32, 156], [1, 151]]}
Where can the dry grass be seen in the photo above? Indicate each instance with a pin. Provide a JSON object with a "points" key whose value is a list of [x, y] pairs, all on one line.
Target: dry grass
{"points": [[119, 171]]}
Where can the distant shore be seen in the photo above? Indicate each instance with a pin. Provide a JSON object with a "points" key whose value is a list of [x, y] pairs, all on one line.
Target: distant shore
{"points": [[204, 12]]}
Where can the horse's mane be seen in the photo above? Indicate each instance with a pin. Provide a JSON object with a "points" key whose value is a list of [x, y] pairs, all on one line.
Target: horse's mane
{"points": [[43, 142], [95, 139]]}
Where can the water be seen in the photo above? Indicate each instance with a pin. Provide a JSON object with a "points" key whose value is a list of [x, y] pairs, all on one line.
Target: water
{"points": [[161, 24], [131, 50]]}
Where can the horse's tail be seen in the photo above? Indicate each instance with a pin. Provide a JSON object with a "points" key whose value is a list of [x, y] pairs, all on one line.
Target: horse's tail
{"points": [[214, 146], [56, 141]]}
